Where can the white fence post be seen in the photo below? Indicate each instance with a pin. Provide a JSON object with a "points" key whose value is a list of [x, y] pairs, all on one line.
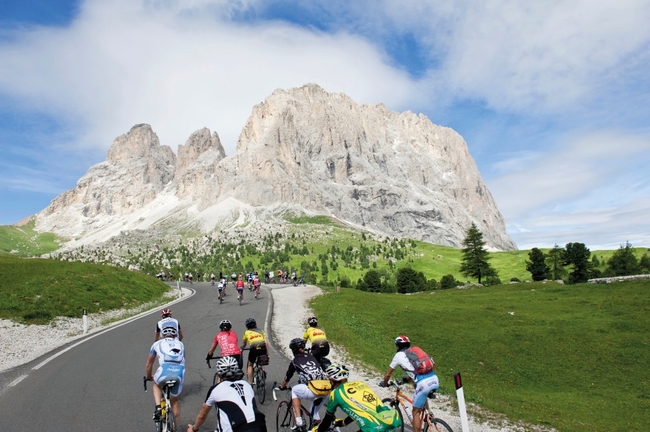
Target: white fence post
{"points": [[85, 321], [460, 394]]}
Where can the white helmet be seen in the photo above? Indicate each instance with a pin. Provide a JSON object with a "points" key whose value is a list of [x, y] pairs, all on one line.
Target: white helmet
{"points": [[227, 367], [337, 372]]}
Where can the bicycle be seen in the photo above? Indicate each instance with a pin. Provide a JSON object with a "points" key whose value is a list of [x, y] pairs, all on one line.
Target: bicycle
{"points": [[285, 417], [402, 403], [259, 380], [167, 421]]}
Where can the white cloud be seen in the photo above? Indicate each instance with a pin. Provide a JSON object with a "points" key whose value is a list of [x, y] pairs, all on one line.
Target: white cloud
{"points": [[125, 62], [592, 186]]}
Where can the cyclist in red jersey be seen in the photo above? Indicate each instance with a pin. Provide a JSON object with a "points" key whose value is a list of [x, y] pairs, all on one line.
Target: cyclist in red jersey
{"points": [[239, 285], [228, 341]]}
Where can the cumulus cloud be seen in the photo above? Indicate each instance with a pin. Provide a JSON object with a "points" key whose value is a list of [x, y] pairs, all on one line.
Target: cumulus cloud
{"points": [[126, 62]]}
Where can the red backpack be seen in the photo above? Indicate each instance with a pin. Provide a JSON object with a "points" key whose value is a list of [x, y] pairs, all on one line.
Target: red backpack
{"points": [[422, 362]]}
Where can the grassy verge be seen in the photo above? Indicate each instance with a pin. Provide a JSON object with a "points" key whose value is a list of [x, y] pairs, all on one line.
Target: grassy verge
{"points": [[571, 357], [37, 290]]}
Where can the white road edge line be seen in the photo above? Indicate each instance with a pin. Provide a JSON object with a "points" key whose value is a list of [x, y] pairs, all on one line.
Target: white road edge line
{"points": [[114, 326], [17, 380]]}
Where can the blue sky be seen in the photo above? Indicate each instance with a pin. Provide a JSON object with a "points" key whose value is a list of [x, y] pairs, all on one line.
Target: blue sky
{"points": [[552, 97]]}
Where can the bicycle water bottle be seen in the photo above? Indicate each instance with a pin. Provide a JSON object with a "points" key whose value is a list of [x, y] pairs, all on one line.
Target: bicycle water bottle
{"points": [[409, 413], [163, 411]]}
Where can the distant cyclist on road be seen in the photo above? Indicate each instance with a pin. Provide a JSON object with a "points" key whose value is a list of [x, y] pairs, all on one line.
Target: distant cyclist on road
{"points": [[167, 321], [228, 341], [171, 364], [259, 346], [240, 285], [233, 399]]}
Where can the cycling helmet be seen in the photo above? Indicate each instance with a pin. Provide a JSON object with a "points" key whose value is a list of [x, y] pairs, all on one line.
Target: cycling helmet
{"points": [[169, 332], [225, 325], [227, 367], [166, 313], [250, 323], [337, 372], [312, 321], [296, 344], [402, 342]]}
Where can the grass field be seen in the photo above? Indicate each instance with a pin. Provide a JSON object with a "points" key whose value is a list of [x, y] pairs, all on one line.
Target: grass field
{"points": [[572, 357], [37, 290], [24, 241]]}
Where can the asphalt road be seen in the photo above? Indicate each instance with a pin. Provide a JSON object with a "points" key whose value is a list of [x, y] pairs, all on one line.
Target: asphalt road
{"points": [[97, 385]]}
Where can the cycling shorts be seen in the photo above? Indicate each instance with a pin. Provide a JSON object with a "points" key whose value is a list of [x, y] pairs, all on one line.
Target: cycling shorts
{"points": [[425, 384], [240, 290], [254, 353], [170, 371]]}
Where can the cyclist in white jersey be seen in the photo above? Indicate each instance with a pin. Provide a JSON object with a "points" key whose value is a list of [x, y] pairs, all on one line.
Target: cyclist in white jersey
{"points": [[167, 321], [234, 401], [171, 365]]}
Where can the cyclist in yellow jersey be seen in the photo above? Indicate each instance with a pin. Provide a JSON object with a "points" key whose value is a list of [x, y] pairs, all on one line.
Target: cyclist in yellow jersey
{"points": [[359, 402], [259, 346], [318, 339]]}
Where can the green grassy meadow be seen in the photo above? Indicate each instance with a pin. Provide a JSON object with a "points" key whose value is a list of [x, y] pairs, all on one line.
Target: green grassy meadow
{"points": [[38, 290], [573, 357], [24, 241]]}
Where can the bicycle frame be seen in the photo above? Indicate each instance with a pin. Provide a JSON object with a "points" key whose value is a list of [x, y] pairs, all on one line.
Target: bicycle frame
{"points": [[167, 422], [429, 422]]}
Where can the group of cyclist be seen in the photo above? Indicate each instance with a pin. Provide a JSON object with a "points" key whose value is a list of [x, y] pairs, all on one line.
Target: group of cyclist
{"points": [[319, 381]]}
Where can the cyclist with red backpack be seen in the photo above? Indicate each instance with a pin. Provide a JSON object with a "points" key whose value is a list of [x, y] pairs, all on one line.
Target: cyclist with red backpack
{"points": [[419, 367]]}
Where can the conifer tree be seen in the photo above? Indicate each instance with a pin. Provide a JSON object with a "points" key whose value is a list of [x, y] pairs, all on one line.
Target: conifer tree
{"points": [[475, 256]]}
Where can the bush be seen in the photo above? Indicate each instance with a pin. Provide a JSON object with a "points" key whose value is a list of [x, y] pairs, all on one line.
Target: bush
{"points": [[448, 281], [491, 280]]}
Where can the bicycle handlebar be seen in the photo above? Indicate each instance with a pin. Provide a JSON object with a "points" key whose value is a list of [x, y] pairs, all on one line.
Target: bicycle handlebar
{"points": [[144, 382], [276, 387]]}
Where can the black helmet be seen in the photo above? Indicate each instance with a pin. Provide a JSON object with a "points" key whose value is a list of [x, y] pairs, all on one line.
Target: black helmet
{"points": [[250, 323], [296, 344], [402, 342], [312, 321], [225, 325]]}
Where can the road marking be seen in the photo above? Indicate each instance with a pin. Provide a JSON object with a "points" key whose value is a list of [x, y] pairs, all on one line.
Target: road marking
{"points": [[128, 320], [17, 380]]}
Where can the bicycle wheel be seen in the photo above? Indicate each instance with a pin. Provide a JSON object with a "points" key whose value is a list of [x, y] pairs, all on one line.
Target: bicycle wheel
{"points": [[392, 403], [171, 421], [260, 385], [284, 417], [437, 425]]}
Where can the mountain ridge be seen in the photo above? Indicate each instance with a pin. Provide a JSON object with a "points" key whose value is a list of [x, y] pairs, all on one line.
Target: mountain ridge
{"points": [[302, 150]]}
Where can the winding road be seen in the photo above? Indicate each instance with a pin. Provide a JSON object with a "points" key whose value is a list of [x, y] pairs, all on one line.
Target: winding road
{"points": [[95, 383]]}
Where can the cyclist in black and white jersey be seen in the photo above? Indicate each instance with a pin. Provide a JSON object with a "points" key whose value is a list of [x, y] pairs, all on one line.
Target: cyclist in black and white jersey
{"points": [[308, 369], [167, 321], [234, 401]]}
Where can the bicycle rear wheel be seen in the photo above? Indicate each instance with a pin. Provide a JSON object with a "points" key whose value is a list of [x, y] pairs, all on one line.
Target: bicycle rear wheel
{"points": [[437, 425], [284, 417], [393, 403], [260, 385], [171, 421]]}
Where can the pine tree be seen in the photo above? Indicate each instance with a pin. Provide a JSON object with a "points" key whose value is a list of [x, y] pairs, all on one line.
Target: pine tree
{"points": [[475, 256], [623, 262], [555, 259], [537, 266]]}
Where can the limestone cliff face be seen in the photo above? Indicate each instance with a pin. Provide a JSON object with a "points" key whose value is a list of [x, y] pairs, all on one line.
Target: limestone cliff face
{"points": [[385, 171], [136, 169], [391, 173]]}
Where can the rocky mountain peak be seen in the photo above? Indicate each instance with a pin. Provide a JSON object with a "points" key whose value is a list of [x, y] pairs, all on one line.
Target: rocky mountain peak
{"points": [[391, 173]]}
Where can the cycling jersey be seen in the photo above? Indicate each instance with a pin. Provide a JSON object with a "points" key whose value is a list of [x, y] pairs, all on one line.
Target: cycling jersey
{"points": [[363, 405], [255, 337], [171, 363], [228, 342], [423, 383], [316, 335], [236, 408], [307, 368], [168, 322], [240, 285]]}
